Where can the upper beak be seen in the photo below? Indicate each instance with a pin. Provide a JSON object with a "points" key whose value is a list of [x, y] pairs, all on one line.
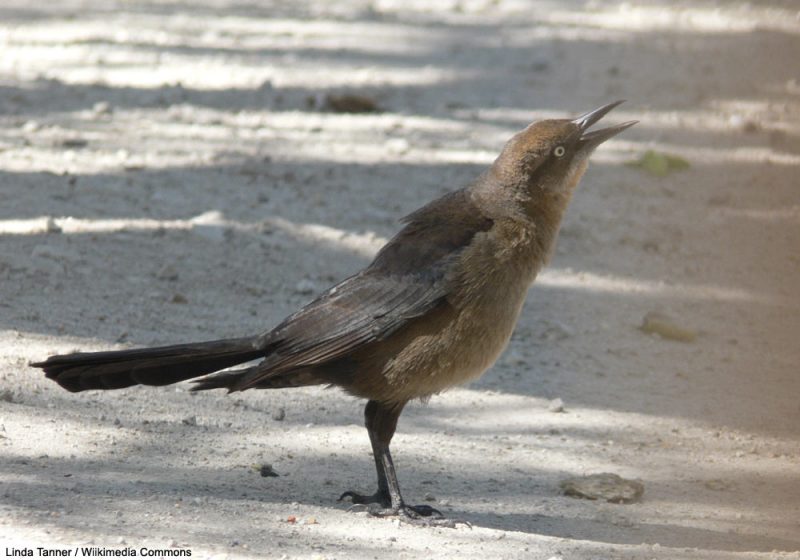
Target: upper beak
{"points": [[596, 137]]}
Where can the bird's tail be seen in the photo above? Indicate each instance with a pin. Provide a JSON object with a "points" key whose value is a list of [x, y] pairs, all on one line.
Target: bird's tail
{"points": [[147, 366]]}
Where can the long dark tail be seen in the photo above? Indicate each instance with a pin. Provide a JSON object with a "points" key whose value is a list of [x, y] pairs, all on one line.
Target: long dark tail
{"points": [[147, 366]]}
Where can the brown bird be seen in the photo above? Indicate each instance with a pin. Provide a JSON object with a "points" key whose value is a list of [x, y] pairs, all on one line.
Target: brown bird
{"points": [[434, 309]]}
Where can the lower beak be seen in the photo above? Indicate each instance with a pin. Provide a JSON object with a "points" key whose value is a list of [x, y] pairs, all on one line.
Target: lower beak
{"points": [[592, 139]]}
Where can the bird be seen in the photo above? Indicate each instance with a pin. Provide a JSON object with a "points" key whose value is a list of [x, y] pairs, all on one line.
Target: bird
{"points": [[434, 309]]}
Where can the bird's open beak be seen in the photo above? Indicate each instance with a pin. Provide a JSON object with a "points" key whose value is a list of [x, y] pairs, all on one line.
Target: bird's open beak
{"points": [[590, 140]]}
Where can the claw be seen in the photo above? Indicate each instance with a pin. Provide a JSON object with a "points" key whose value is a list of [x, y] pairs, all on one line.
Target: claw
{"points": [[358, 499], [350, 494], [425, 511], [358, 508], [422, 515], [425, 516]]}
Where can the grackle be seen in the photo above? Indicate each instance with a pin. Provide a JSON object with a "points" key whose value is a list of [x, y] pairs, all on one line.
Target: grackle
{"points": [[434, 309]]}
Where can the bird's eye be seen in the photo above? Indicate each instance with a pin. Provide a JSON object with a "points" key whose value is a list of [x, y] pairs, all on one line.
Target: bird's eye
{"points": [[559, 151]]}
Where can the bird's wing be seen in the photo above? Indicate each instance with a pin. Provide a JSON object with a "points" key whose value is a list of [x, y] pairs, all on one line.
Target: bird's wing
{"points": [[409, 278], [364, 308]]}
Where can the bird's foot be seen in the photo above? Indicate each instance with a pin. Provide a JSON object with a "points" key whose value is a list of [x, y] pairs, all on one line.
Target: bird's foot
{"points": [[422, 515], [379, 505]]}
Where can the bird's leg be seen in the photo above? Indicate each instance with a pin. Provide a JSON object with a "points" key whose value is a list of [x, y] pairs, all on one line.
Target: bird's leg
{"points": [[381, 496], [381, 422]]}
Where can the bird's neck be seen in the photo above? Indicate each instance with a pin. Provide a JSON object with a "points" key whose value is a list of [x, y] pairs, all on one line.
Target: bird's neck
{"points": [[546, 212], [533, 209]]}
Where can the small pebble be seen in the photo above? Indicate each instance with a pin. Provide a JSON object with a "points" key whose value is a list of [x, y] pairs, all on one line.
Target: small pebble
{"points": [[666, 327], [167, 272], [603, 486], [305, 287], [210, 225], [51, 226], [102, 108], [540, 66], [350, 103], [267, 471], [750, 127], [556, 405], [279, 414], [717, 484], [179, 298], [74, 143], [557, 331], [398, 146], [736, 121]]}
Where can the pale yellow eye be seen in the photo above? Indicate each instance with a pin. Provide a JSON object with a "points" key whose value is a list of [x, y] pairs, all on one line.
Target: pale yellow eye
{"points": [[559, 151]]}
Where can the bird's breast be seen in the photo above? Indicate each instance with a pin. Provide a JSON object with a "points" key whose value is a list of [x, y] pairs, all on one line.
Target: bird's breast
{"points": [[488, 289]]}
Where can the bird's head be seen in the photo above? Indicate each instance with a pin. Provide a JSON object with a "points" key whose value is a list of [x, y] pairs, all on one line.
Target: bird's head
{"points": [[549, 157]]}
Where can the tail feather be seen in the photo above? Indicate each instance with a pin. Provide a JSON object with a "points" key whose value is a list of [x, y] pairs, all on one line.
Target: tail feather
{"points": [[147, 366], [231, 380], [225, 380]]}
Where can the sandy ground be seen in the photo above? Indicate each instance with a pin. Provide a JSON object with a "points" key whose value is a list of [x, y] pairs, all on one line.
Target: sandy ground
{"points": [[169, 173]]}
